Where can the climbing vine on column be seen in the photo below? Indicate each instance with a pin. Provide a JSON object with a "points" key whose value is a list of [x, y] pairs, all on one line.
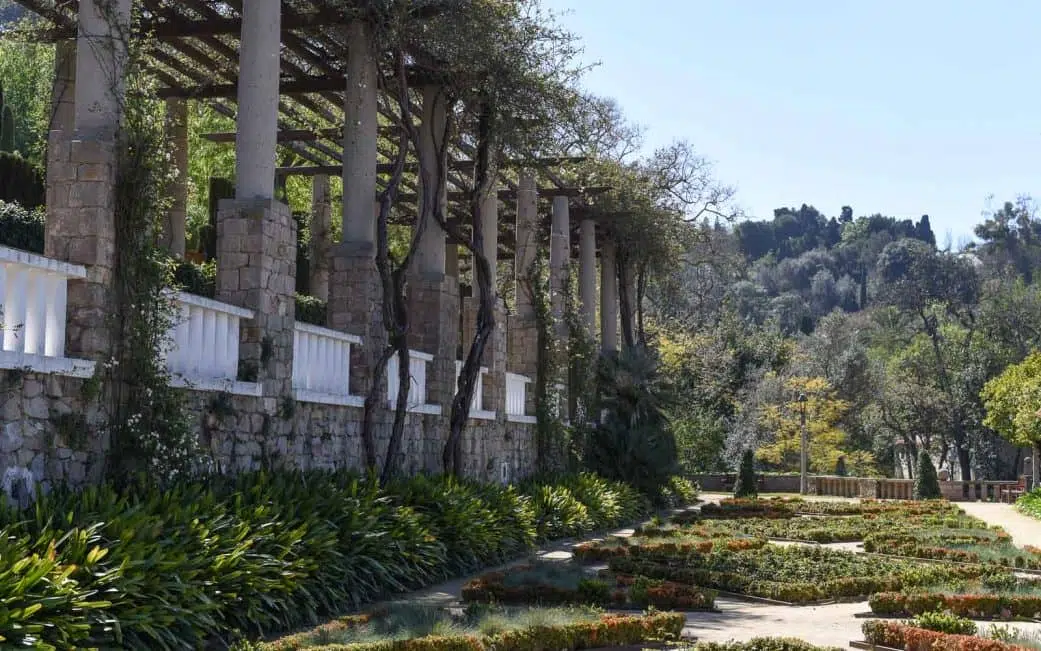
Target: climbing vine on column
{"points": [[147, 422]]}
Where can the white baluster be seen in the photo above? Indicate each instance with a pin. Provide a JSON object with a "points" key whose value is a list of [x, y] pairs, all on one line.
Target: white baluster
{"points": [[14, 313], [57, 303], [3, 302]]}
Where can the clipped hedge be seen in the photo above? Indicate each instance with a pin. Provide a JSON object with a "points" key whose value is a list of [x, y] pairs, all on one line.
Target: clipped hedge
{"points": [[621, 591], [21, 228], [759, 644], [974, 606], [172, 568], [610, 630], [1030, 504], [898, 635]]}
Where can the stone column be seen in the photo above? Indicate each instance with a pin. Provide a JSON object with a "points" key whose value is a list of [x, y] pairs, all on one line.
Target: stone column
{"points": [[101, 57], [527, 244], [257, 120], [319, 247], [81, 170], [523, 328], [430, 255], [608, 297], [355, 294], [360, 136], [559, 260], [256, 234], [587, 275], [63, 91], [173, 237], [490, 224], [434, 302]]}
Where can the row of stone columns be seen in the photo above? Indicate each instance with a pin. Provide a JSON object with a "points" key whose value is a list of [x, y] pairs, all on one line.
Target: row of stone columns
{"points": [[256, 234]]}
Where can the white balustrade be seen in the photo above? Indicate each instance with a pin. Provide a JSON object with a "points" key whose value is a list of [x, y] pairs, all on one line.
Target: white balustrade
{"points": [[417, 392], [33, 296], [477, 409], [517, 398], [322, 365], [203, 351]]}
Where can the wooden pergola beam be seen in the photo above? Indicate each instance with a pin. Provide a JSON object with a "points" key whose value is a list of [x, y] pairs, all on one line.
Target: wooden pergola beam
{"points": [[295, 86], [387, 168], [167, 30], [510, 195]]}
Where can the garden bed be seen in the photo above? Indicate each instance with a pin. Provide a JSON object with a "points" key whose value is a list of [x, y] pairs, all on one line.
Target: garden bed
{"points": [[562, 583], [422, 628], [900, 636]]}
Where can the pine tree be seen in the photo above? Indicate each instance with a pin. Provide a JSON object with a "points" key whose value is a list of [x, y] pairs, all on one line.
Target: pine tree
{"points": [[926, 484], [746, 479], [840, 467]]}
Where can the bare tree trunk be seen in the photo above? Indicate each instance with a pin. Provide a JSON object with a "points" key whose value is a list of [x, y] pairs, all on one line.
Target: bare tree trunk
{"points": [[395, 316], [625, 292], [484, 177]]}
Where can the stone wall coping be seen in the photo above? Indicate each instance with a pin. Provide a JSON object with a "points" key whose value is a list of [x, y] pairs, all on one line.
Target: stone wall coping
{"points": [[210, 304], [78, 368], [321, 398], [432, 410], [514, 377], [521, 418], [250, 389], [459, 367], [319, 331], [41, 263], [416, 354]]}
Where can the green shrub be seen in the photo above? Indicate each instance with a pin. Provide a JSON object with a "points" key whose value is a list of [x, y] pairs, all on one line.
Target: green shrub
{"points": [[311, 310], [944, 622], [1030, 504], [926, 483], [197, 279], [747, 485], [21, 182], [182, 565], [20, 228]]}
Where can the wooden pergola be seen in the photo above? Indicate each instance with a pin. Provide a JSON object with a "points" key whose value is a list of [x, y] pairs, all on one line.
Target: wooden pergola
{"points": [[194, 54]]}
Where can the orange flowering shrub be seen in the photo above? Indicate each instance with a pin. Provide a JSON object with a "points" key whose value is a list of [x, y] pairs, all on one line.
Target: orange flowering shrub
{"points": [[901, 636], [973, 606]]}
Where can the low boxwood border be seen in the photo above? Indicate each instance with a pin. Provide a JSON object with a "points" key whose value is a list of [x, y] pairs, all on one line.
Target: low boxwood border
{"points": [[611, 630]]}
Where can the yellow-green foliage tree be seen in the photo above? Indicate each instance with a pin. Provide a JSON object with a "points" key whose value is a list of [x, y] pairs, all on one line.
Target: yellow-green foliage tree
{"points": [[1013, 404], [827, 441]]}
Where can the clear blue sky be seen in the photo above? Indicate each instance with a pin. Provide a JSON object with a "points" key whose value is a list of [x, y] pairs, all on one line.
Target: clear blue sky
{"points": [[904, 108]]}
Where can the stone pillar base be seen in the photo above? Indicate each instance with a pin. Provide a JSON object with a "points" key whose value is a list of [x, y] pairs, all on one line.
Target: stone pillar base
{"points": [[356, 307], [434, 317], [494, 354], [523, 353], [256, 270], [81, 177]]}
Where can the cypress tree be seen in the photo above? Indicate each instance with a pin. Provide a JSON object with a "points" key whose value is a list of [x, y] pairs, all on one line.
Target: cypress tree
{"points": [[746, 480], [840, 467], [7, 129], [926, 483]]}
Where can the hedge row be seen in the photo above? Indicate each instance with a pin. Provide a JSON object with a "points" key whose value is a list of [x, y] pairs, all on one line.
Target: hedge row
{"points": [[623, 591], [792, 591], [611, 630], [598, 552], [172, 568], [759, 644], [901, 636], [973, 606]]}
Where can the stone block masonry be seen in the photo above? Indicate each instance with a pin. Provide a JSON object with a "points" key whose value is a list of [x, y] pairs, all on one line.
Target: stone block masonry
{"points": [[47, 435]]}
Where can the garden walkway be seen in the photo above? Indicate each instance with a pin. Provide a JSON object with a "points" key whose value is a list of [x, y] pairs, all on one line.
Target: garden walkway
{"points": [[1023, 529]]}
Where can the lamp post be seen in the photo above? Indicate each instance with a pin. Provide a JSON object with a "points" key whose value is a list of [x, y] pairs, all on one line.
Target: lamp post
{"points": [[802, 478]]}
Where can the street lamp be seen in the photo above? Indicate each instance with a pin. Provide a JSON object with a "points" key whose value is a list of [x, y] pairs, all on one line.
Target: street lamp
{"points": [[802, 477]]}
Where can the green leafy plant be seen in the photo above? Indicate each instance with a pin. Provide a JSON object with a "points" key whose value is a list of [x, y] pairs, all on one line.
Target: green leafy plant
{"points": [[944, 622]]}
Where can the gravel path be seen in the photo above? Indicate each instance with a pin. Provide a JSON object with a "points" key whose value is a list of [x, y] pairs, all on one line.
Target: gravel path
{"points": [[1023, 529]]}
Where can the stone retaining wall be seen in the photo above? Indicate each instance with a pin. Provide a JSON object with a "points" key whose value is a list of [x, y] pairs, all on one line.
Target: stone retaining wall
{"points": [[47, 436]]}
